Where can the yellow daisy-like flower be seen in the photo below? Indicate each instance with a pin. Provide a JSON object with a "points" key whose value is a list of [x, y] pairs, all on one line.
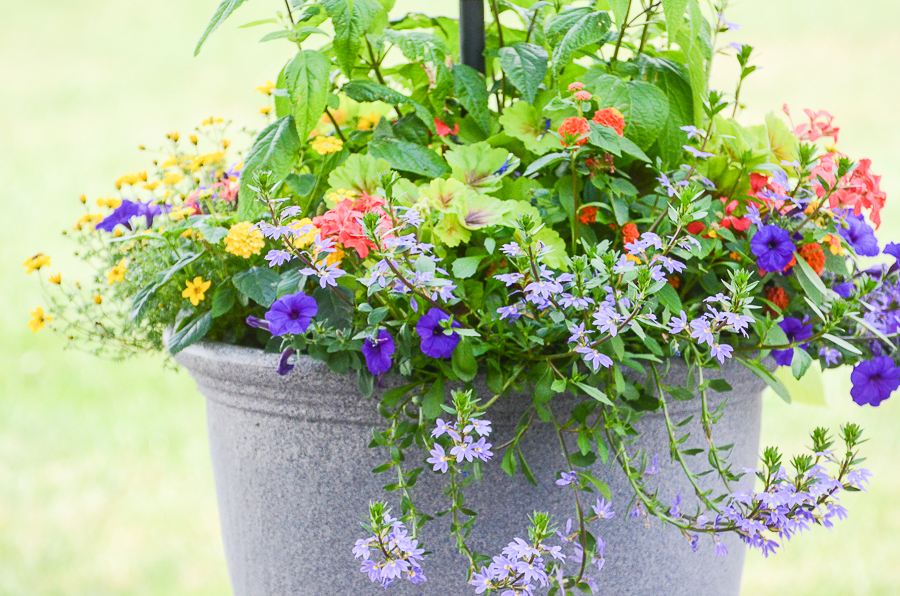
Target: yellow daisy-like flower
{"points": [[36, 262], [117, 273], [110, 202], [38, 319], [368, 121], [265, 109], [335, 257], [131, 179], [834, 245], [172, 178], [307, 238], [266, 89], [87, 221], [83, 199], [196, 290], [242, 241], [152, 185], [98, 299], [172, 161], [193, 139], [55, 278], [180, 213], [174, 136], [210, 121], [324, 145]]}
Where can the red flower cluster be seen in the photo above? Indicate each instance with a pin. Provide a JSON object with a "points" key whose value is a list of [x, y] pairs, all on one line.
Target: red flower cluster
{"points": [[588, 215], [741, 224], [630, 233], [443, 130], [778, 297], [860, 189], [612, 118], [820, 125], [571, 129], [341, 222]]}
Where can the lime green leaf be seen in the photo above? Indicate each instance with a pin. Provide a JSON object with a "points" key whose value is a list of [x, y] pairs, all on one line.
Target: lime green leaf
{"points": [[525, 65], [674, 10], [466, 267], [463, 361], [771, 380], [481, 166], [595, 393], [189, 334], [361, 173], [306, 78], [351, 19], [481, 211], [601, 486], [408, 157], [451, 230], [260, 284], [446, 195], [471, 91], [223, 12], [277, 149], [525, 123]]}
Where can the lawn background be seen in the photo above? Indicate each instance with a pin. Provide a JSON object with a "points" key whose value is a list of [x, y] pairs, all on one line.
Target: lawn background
{"points": [[105, 482]]}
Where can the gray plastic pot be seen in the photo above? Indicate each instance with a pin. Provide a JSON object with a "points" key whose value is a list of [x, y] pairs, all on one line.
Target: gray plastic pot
{"points": [[294, 478]]}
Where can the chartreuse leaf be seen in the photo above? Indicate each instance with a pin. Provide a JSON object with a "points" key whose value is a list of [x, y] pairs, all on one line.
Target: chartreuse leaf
{"points": [[525, 123], [674, 11], [590, 28], [277, 149], [471, 90], [351, 19], [190, 333], [260, 284], [525, 65], [223, 12], [306, 78], [360, 173], [481, 166]]}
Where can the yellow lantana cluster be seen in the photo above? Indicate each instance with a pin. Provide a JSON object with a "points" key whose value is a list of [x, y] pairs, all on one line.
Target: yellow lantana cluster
{"points": [[307, 238], [368, 121], [242, 241], [324, 145]]}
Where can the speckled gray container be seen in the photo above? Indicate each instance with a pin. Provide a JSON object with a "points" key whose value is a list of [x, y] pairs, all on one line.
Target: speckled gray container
{"points": [[293, 480]]}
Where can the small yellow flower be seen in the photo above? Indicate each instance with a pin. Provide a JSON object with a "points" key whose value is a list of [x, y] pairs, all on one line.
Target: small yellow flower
{"points": [[266, 89], [110, 202], [210, 121], [117, 233], [36, 262], [196, 290], [634, 258], [83, 199], [368, 122], [265, 109], [38, 319], [131, 179], [243, 241], [172, 161], [152, 185], [180, 213], [193, 139], [55, 278], [324, 145], [117, 273], [172, 178], [335, 257], [174, 136], [98, 299], [834, 245], [306, 239], [225, 143], [87, 221]]}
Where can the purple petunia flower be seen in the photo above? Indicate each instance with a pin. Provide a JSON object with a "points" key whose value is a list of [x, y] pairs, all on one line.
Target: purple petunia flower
{"points": [[258, 323], [437, 341], [796, 331], [378, 352], [127, 210], [860, 236], [773, 248], [291, 314], [844, 290], [283, 366], [874, 380], [893, 249]]}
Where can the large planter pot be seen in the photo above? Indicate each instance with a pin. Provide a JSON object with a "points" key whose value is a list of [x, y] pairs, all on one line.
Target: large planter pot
{"points": [[294, 478]]}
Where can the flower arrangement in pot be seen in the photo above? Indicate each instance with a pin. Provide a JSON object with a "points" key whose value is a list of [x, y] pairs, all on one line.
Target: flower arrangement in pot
{"points": [[581, 244]]}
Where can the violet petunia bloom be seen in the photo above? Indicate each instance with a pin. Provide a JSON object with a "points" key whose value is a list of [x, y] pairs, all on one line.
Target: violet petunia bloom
{"points": [[437, 341], [874, 380], [291, 314], [378, 352], [283, 366], [772, 247], [796, 331], [845, 289], [123, 214], [893, 249], [258, 323], [860, 236]]}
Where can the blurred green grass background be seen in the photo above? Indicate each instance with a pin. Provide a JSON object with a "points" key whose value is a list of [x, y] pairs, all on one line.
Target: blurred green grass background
{"points": [[105, 483]]}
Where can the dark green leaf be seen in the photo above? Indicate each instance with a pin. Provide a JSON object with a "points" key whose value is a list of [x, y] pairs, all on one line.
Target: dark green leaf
{"points": [[190, 333], [800, 362], [720, 385], [259, 284], [525, 65], [409, 157], [589, 29], [545, 160], [335, 311], [276, 149], [463, 361], [465, 267], [669, 298], [433, 399], [223, 299], [471, 90], [509, 462], [351, 19], [301, 185]]}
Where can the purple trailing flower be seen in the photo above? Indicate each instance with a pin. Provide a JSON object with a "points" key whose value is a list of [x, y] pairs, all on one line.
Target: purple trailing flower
{"points": [[603, 509], [831, 355], [438, 459], [874, 380], [796, 331], [772, 247], [378, 352], [437, 341], [860, 236], [291, 314]]}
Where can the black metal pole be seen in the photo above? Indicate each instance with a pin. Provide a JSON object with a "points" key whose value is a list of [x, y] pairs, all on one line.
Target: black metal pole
{"points": [[471, 33]]}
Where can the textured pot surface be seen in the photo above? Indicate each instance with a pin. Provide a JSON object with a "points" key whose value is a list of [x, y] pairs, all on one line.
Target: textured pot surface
{"points": [[293, 481]]}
